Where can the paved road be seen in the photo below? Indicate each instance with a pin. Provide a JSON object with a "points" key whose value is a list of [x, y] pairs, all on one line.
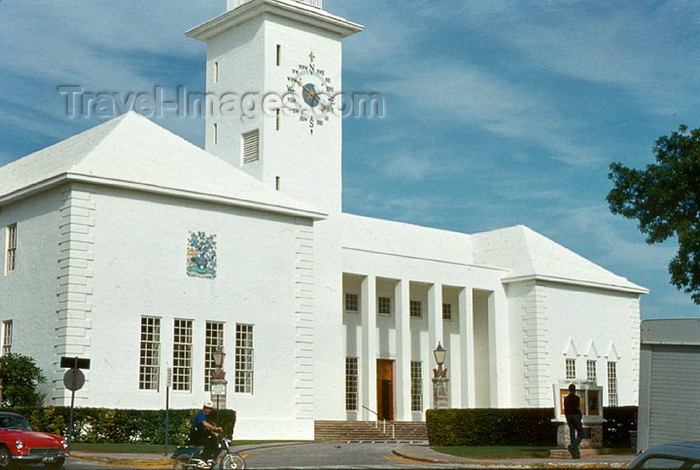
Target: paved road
{"points": [[330, 456]]}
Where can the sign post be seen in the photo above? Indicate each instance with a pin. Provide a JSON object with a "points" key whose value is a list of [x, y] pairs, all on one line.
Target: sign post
{"points": [[168, 383], [73, 379]]}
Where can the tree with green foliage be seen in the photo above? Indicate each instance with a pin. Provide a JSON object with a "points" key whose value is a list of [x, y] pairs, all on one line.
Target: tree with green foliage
{"points": [[665, 199], [20, 378]]}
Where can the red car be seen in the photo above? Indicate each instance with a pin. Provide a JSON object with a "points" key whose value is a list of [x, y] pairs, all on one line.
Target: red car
{"points": [[19, 444]]}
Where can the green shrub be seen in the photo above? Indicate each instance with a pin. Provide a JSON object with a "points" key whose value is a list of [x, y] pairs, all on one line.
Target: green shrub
{"points": [[620, 420], [103, 425], [492, 426]]}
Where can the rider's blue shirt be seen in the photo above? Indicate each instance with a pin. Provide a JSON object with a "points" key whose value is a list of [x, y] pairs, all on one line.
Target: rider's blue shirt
{"points": [[198, 420]]}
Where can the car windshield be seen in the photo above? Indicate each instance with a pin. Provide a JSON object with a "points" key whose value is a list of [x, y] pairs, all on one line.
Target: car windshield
{"points": [[13, 422]]}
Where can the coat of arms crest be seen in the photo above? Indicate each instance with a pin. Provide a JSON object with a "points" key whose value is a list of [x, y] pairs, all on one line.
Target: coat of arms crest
{"points": [[201, 255]]}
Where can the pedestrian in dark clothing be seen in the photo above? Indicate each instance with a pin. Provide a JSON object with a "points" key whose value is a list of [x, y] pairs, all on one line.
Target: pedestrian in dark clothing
{"points": [[572, 411]]}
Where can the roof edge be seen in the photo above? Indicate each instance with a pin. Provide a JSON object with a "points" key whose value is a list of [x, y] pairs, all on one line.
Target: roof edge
{"points": [[631, 288], [318, 18], [69, 177]]}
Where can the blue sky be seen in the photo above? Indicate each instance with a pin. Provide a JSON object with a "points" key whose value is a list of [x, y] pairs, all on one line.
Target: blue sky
{"points": [[497, 113]]}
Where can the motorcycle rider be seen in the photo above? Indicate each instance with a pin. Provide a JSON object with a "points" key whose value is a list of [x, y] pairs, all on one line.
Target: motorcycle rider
{"points": [[204, 433]]}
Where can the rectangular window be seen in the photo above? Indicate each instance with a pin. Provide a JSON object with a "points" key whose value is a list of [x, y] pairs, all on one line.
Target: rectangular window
{"points": [[278, 119], [416, 386], [214, 339], [251, 146], [215, 133], [591, 372], [351, 302], [6, 337], [415, 309], [612, 383], [11, 256], [182, 355], [278, 60], [149, 364], [447, 312], [243, 375], [216, 72], [571, 368], [384, 305], [351, 382]]}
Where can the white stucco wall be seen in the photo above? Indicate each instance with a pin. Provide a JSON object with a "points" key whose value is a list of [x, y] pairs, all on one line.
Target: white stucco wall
{"points": [[140, 269], [29, 293]]}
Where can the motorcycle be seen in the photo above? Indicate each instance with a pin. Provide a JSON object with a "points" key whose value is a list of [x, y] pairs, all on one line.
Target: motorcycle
{"points": [[191, 458]]}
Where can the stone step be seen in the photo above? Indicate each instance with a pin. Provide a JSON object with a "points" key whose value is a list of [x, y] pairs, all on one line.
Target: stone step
{"points": [[370, 431]]}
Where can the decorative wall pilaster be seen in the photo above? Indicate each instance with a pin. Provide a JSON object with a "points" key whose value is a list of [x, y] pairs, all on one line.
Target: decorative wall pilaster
{"points": [[635, 341], [75, 282], [538, 390], [304, 285]]}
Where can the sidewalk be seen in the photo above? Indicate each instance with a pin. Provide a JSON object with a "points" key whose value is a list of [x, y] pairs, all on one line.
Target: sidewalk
{"points": [[423, 453]]}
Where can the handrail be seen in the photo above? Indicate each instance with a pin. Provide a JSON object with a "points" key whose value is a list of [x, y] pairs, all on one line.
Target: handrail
{"points": [[384, 421]]}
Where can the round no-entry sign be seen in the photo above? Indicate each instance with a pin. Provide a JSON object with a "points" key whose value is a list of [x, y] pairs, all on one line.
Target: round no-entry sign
{"points": [[74, 379]]}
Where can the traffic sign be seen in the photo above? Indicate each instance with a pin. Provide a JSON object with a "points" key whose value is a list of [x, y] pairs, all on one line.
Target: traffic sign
{"points": [[74, 379], [75, 362]]}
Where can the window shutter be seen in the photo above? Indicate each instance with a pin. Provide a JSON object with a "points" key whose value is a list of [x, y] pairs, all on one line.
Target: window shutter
{"points": [[251, 146]]}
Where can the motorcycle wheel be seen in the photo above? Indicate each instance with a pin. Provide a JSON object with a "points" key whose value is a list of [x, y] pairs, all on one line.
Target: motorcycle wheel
{"points": [[232, 462], [180, 461]]}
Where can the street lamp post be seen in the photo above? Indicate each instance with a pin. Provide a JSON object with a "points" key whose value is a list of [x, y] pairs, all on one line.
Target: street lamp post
{"points": [[440, 379], [218, 379]]}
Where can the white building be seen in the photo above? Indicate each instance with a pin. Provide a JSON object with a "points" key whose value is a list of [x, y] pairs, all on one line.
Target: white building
{"points": [[127, 245]]}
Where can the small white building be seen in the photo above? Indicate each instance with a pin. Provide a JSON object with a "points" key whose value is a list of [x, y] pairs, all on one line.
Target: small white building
{"points": [[127, 245], [670, 376]]}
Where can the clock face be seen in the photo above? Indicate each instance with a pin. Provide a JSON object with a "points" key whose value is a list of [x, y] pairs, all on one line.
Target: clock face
{"points": [[310, 94]]}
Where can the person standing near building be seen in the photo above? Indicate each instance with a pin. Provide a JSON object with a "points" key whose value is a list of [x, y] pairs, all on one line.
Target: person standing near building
{"points": [[572, 411]]}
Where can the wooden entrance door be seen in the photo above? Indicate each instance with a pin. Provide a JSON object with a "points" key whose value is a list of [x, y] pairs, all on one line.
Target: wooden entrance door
{"points": [[385, 389]]}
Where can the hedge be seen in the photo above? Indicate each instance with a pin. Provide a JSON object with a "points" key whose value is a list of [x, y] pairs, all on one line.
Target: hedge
{"points": [[491, 426], [99, 425], [620, 420], [519, 426]]}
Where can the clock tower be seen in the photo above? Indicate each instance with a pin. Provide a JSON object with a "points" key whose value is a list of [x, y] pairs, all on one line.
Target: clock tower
{"points": [[273, 85], [273, 80]]}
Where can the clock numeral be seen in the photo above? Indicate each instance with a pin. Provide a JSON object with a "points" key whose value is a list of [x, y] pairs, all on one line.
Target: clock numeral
{"points": [[303, 67]]}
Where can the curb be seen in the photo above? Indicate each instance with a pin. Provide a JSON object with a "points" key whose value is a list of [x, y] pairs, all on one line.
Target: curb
{"points": [[518, 464], [126, 463]]}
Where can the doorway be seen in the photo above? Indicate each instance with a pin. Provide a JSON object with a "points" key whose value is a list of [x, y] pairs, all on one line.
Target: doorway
{"points": [[385, 389]]}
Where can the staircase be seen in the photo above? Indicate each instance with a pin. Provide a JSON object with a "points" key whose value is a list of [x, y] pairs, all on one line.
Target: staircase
{"points": [[370, 431]]}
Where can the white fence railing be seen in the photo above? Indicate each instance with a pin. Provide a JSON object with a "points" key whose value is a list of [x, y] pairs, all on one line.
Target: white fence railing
{"points": [[231, 4], [384, 423]]}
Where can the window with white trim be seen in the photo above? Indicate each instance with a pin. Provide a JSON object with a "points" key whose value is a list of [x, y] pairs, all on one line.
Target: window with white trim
{"points": [[6, 337], [591, 370], [612, 383], [149, 357], [351, 383], [415, 309], [182, 355], [11, 253], [351, 302], [416, 386], [571, 368], [214, 338], [384, 305], [447, 312], [243, 373], [251, 146]]}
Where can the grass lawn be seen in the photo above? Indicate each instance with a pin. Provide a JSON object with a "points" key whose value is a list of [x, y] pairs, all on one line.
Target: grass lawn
{"points": [[139, 448], [495, 451]]}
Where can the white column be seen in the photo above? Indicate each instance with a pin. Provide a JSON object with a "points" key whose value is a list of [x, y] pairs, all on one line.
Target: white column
{"points": [[403, 351], [466, 339], [435, 329], [368, 315]]}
